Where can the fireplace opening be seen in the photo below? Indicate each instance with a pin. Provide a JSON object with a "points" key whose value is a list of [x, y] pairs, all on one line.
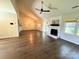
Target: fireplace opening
{"points": [[54, 32]]}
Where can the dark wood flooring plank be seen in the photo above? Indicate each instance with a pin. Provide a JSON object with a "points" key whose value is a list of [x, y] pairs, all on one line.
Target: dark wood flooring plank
{"points": [[37, 45]]}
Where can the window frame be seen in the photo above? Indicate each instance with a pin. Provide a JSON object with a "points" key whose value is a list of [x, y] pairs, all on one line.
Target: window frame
{"points": [[76, 20]]}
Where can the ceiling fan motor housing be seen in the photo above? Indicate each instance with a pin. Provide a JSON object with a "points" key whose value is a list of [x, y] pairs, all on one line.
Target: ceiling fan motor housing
{"points": [[41, 9]]}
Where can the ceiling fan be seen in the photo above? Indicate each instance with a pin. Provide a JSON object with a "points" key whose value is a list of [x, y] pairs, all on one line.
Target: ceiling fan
{"points": [[42, 9]]}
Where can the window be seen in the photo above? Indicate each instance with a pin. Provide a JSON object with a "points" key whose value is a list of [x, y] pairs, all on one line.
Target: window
{"points": [[77, 33], [70, 27]]}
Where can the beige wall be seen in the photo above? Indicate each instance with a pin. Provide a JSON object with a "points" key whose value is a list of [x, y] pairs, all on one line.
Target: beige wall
{"points": [[28, 19], [30, 23], [7, 30], [7, 16]]}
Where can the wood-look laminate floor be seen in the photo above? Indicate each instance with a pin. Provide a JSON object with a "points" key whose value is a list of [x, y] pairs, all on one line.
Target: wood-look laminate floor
{"points": [[36, 45]]}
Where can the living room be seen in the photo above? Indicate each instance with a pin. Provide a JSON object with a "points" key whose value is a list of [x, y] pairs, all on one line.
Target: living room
{"points": [[39, 29]]}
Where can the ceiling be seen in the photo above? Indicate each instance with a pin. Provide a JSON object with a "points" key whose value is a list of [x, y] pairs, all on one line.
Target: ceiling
{"points": [[59, 7]]}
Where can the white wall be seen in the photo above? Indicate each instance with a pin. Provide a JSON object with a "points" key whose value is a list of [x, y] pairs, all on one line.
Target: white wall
{"points": [[7, 30], [7, 16], [48, 27]]}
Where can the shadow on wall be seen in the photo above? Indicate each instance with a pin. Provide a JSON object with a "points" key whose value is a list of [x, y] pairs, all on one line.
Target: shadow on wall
{"points": [[27, 18], [30, 22]]}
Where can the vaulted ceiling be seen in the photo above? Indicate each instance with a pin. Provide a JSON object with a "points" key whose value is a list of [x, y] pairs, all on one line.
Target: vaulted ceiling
{"points": [[57, 7]]}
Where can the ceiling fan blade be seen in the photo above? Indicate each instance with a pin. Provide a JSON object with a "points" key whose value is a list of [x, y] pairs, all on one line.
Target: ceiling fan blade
{"points": [[41, 12], [46, 10], [38, 9], [75, 6]]}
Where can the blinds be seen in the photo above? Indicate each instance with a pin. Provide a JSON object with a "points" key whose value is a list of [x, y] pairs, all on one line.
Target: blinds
{"points": [[70, 19]]}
